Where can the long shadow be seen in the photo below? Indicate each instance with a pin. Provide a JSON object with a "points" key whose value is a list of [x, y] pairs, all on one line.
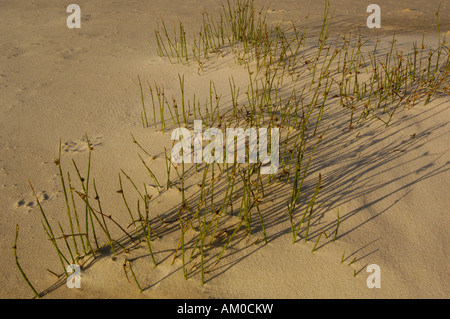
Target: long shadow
{"points": [[353, 164]]}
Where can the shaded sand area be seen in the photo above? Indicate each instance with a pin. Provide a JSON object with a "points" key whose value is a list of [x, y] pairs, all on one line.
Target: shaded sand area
{"points": [[390, 185]]}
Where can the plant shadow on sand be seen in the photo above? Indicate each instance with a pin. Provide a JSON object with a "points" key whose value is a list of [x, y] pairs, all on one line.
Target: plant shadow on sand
{"points": [[355, 168]]}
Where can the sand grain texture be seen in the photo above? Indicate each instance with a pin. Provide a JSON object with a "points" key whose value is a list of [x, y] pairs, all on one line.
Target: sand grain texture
{"points": [[391, 186]]}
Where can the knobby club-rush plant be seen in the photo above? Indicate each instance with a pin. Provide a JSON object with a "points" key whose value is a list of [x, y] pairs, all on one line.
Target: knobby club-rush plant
{"points": [[227, 191]]}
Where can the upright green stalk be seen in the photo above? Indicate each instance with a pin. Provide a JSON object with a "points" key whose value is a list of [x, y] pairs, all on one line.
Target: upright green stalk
{"points": [[20, 268]]}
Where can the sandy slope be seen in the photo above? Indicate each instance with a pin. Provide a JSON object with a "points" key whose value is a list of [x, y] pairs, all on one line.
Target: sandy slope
{"points": [[390, 186]]}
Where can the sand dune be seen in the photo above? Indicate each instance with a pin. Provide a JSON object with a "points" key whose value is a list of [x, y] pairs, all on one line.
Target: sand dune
{"points": [[389, 185]]}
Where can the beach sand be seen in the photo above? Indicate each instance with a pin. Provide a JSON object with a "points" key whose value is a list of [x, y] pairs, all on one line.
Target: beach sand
{"points": [[390, 185]]}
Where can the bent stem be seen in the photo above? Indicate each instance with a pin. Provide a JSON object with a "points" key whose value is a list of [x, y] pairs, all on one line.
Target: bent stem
{"points": [[20, 268]]}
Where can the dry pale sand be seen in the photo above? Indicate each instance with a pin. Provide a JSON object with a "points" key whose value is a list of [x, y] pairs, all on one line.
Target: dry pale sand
{"points": [[391, 186]]}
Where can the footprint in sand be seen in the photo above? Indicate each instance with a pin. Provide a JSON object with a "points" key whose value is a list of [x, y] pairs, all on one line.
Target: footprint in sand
{"points": [[81, 145], [276, 11], [29, 202], [68, 54], [15, 52], [411, 11]]}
